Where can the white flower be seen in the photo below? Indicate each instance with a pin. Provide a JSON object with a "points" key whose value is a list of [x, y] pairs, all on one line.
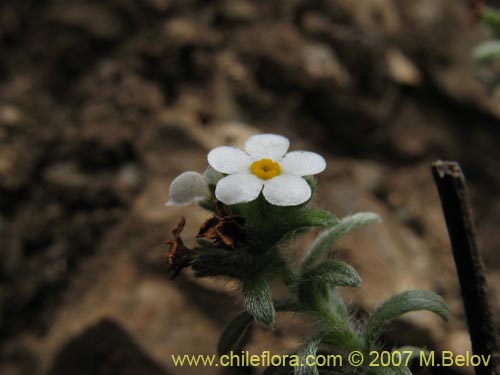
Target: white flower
{"points": [[190, 187], [264, 167]]}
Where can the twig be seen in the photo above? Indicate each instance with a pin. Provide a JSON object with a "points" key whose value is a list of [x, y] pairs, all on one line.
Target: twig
{"points": [[450, 183]]}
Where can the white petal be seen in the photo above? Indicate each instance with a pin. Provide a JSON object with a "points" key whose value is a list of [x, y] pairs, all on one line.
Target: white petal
{"points": [[270, 146], [228, 160], [212, 176], [238, 188], [303, 163], [187, 188], [286, 190]]}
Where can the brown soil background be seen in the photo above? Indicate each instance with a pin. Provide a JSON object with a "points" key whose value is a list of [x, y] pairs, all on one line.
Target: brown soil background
{"points": [[103, 103]]}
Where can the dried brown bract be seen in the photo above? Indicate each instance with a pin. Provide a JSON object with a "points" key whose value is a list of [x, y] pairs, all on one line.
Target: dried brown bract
{"points": [[225, 231], [178, 256]]}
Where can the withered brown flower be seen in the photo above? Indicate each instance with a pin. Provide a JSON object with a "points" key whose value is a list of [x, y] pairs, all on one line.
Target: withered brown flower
{"points": [[225, 231], [178, 256]]}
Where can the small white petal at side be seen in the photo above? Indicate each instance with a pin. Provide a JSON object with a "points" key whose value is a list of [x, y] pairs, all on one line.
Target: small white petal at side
{"points": [[286, 190], [212, 176], [269, 146], [238, 188], [228, 160], [303, 163], [187, 188]]}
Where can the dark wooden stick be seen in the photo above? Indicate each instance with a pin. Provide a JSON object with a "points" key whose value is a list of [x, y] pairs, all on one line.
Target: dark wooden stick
{"points": [[452, 190]]}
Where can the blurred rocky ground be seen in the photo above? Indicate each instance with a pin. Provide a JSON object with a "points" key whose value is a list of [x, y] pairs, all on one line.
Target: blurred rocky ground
{"points": [[102, 103]]}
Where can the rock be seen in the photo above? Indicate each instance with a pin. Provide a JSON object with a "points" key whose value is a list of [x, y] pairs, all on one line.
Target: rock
{"points": [[17, 360], [376, 17], [286, 60], [66, 174], [95, 20], [10, 116], [159, 5], [128, 180], [182, 31], [321, 63], [7, 252], [7, 158], [104, 349], [233, 133], [238, 11], [402, 69], [463, 87], [19, 132], [416, 134], [316, 23]]}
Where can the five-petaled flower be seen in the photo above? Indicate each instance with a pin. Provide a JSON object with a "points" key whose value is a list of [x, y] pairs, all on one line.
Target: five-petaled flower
{"points": [[264, 166]]}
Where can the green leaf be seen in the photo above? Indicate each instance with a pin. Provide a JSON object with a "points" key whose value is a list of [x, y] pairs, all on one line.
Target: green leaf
{"points": [[326, 239], [237, 327], [492, 83], [314, 295], [490, 17], [341, 338], [216, 262], [258, 301], [413, 300], [310, 347], [315, 292], [338, 306], [487, 51], [232, 333], [316, 218], [333, 272]]}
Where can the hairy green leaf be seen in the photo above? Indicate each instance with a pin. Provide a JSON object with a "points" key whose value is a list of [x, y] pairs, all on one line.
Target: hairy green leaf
{"points": [[216, 262], [413, 300], [326, 239], [341, 338], [487, 51], [313, 294], [258, 301], [232, 333], [308, 348], [334, 272], [490, 17], [315, 218], [338, 306]]}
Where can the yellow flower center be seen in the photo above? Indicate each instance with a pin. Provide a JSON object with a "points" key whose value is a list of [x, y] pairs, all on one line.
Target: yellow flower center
{"points": [[265, 169]]}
